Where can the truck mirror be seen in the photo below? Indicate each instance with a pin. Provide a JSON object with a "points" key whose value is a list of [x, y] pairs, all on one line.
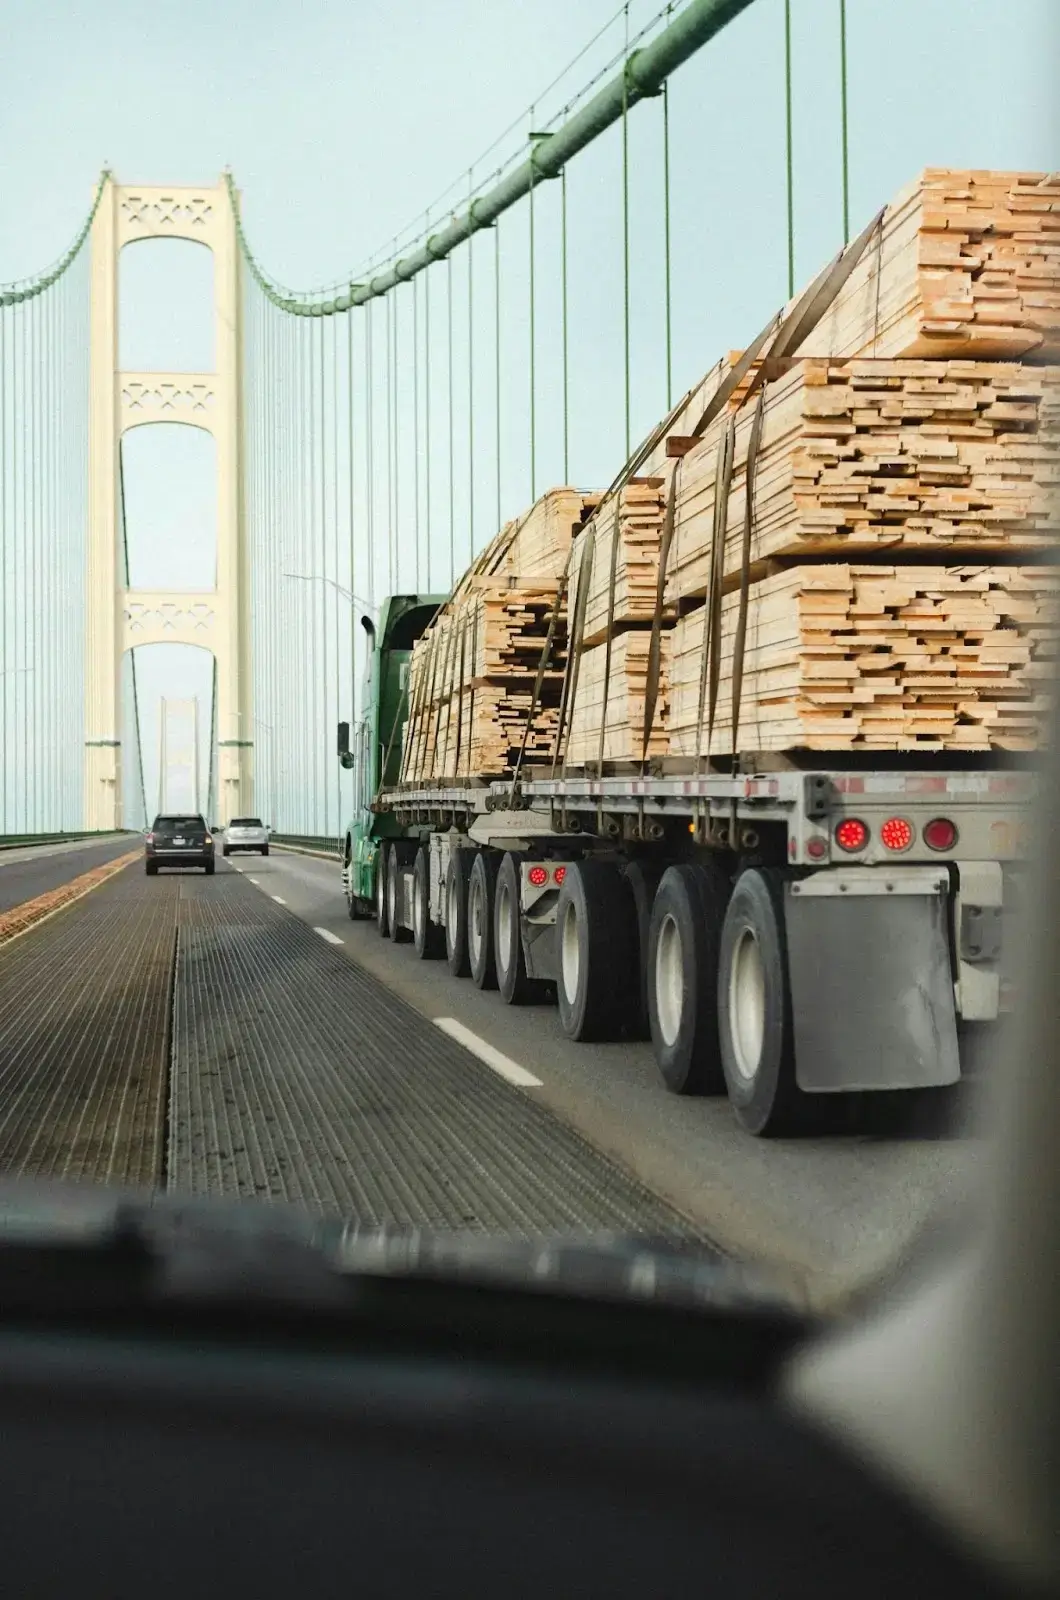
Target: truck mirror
{"points": [[344, 739]]}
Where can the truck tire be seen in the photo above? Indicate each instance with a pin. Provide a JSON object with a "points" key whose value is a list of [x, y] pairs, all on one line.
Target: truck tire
{"points": [[382, 921], [397, 858], [683, 946], [596, 983], [480, 893], [642, 881], [356, 909], [754, 1009], [516, 987], [427, 937], [457, 879]]}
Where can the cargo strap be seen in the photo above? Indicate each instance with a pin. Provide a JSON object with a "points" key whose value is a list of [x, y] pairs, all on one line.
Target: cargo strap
{"points": [[613, 573], [575, 632], [745, 569], [710, 660], [542, 668], [783, 334]]}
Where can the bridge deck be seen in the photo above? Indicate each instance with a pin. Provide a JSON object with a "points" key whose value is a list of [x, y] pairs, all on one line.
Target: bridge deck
{"points": [[186, 1030]]}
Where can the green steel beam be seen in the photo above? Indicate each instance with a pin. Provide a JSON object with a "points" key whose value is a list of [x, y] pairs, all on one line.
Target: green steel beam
{"points": [[643, 75]]}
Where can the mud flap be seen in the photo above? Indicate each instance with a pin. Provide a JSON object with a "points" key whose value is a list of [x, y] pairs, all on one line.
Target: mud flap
{"points": [[871, 980]]}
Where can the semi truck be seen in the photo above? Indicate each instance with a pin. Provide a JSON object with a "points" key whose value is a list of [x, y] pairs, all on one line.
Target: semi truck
{"points": [[785, 934]]}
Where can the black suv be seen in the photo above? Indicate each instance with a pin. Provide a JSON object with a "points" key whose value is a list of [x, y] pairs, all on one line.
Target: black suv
{"points": [[176, 841]]}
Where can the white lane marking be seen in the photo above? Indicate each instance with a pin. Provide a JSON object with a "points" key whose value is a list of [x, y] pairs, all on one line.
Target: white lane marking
{"points": [[326, 933], [251, 880], [278, 901], [486, 1052]]}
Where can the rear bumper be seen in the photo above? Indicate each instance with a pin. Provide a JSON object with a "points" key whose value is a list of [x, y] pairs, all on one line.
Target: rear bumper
{"points": [[262, 844], [180, 858]]}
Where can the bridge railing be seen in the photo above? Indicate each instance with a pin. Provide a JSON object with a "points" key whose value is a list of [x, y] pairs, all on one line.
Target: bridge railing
{"points": [[309, 843], [18, 841]]}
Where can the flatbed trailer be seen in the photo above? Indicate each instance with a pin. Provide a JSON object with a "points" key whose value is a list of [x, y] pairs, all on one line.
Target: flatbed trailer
{"points": [[784, 936]]}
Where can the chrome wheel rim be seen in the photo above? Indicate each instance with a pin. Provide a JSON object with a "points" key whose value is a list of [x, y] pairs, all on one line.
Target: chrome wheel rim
{"points": [[504, 926], [569, 953], [669, 980], [747, 1005], [474, 921]]}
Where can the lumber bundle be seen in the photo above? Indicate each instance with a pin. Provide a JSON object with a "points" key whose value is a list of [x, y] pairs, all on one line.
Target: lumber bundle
{"points": [[538, 542], [472, 678], [626, 531], [844, 657], [967, 263], [623, 713], [861, 456]]}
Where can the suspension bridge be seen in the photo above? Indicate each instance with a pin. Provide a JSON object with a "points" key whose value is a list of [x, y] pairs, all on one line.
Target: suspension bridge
{"points": [[527, 329]]}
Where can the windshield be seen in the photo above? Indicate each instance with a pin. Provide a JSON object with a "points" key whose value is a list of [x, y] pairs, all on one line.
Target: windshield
{"points": [[620, 570]]}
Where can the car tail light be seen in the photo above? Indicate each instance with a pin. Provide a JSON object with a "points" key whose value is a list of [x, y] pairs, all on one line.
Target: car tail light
{"points": [[538, 876], [896, 834], [150, 838], [559, 875], [852, 834], [941, 834]]}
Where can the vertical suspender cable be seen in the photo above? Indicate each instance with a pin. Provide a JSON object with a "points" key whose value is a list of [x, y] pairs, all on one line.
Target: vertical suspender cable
{"points": [[336, 597], [666, 242], [369, 450], [497, 366], [470, 387], [843, 116], [533, 340], [416, 429], [564, 342], [429, 397], [395, 371], [35, 568], [4, 630], [625, 239], [322, 705], [788, 150], [452, 436], [351, 485]]}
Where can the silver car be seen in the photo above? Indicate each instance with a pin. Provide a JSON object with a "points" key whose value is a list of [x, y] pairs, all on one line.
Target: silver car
{"points": [[246, 833]]}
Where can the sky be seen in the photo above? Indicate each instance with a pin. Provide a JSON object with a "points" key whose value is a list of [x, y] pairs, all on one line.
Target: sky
{"points": [[342, 122]]}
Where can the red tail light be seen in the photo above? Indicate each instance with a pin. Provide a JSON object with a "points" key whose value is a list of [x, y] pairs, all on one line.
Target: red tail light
{"points": [[896, 834], [941, 834], [150, 838], [538, 876], [852, 834], [559, 875]]}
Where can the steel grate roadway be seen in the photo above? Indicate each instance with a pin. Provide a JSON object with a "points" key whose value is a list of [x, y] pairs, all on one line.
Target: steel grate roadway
{"points": [[84, 1021], [298, 1076]]}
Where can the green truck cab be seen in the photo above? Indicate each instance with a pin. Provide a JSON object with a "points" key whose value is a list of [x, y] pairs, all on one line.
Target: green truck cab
{"points": [[374, 753]]}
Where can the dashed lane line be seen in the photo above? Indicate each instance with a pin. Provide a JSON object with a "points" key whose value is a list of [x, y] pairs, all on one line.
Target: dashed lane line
{"points": [[487, 1053], [326, 933], [278, 899]]}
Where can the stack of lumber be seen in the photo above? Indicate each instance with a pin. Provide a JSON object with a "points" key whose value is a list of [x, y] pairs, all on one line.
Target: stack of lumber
{"points": [[843, 657], [967, 263], [538, 542], [472, 675], [634, 518], [858, 457], [613, 694]]}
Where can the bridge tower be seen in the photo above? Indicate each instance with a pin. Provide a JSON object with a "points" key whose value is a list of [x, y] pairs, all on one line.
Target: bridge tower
{"points": [[118, 617]]}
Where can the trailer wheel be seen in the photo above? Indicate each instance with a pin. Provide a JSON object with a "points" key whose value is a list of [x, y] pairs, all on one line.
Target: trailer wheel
{"points": [[642, 880], [516, 987], [427, 937], [480, 893], [595, 952], [398, 858], [683, 946], [381, 921], [754, 1009], [457, 879]]}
